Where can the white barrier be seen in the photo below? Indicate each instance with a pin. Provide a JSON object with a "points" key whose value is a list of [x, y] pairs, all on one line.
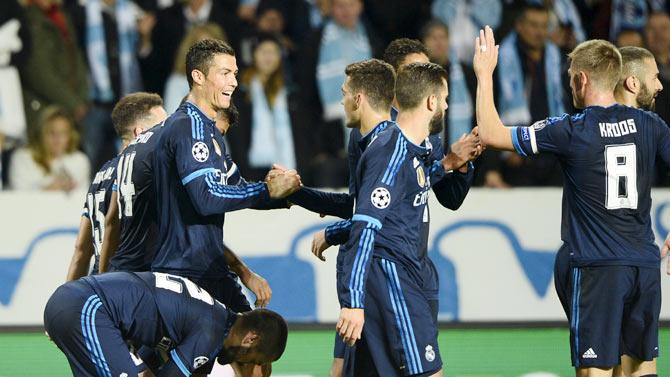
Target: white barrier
{"points": [[495, 255]]}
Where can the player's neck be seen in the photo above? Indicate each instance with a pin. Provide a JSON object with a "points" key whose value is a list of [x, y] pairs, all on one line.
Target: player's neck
{"points": [[626, 99], [598, 98], [371, 119], [201, 104], [414, 126]]}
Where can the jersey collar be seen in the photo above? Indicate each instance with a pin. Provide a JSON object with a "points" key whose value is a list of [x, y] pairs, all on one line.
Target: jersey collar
{"points": [[367, 139], [200, 113]]}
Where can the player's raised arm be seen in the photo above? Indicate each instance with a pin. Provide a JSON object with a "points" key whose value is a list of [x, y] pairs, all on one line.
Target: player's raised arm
{"points": [[491, 129]]}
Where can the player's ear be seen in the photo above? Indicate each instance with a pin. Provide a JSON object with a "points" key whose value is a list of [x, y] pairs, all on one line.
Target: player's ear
{"points": [[631, 84], [431, 102], [137, 131], [197, 76], [250, 339]]}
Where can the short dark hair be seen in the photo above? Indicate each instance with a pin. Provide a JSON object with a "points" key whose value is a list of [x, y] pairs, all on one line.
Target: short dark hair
{"points": [[432, 24], [398, 49], [633, 63], [132, 108], [231, 113], [376, 79], [270, 327], [200, 56], [530, 7], [416, 81]]}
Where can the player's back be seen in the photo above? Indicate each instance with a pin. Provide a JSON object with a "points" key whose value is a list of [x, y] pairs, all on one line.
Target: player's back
{"points": [[150, 306], [137, 204], [608, 158], [97, 203]]}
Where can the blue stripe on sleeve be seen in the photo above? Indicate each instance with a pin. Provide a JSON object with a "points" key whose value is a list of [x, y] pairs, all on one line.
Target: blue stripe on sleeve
{"points": [[196, 174], [179, 363], [368, 219], [515, 141], [394, 157], [233, 192]]}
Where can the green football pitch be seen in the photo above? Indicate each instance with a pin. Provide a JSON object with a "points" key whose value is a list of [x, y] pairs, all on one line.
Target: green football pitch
{"points": [[466, 353]]}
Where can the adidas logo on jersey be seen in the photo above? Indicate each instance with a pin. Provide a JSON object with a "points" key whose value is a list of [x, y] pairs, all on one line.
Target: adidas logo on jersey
{"points": [[589, 354]]}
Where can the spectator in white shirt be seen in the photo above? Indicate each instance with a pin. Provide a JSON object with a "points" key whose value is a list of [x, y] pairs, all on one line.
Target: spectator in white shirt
{"points": [[52, 161]]}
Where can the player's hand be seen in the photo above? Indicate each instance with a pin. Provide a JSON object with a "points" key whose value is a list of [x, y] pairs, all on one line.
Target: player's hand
{"points": [[259, 287], [319, 244], [350, 324], [665, 251], [486, 53], [467, 148], [283, 184]]}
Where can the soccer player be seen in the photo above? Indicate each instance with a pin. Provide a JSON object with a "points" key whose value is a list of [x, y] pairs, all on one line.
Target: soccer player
{"points": [[639, 84], [93, 319], [134, 244], [382, 267], [196, 185], [607, 154], [132, 114]]}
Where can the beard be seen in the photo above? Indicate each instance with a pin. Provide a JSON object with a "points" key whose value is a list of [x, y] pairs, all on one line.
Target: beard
{"points": [[646, 99], [436, 123]]}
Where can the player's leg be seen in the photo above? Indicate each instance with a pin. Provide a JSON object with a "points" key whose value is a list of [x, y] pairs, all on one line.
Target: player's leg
{"points": [[640, 324], [409, 331], [338, 358], [632, 367], [81, 327], [596, 308]]}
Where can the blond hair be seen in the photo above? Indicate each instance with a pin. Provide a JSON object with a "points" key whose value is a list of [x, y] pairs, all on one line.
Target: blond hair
{"points": [[601, 61], [46, 118], [633, 63], [208, 30]]}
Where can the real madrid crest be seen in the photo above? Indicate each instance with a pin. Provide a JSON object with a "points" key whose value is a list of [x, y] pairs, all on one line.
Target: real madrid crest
{"points": [[420, 176], [217, 149]]}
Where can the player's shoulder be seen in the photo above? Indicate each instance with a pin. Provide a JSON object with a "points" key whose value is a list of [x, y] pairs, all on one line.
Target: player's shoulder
{"points": [[384, 140], [652, 117]]}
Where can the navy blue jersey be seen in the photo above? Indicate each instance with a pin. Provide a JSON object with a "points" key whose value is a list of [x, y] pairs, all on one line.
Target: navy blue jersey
{"points": [[137, 204], [195, 186], [167, 312], [608, 157], [392, 185], [97, 203]]}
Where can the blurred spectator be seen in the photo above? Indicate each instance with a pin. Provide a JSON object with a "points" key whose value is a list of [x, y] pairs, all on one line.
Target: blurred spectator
{"points": [[176, 86], [467, 17], [108, 33], [14, 49], [394, 19], [530, 89], [632, 14], [55, 72], [172, 24], [629, 37], [658, 41], [51, 162], [342, 40], [270, 20], [459, 117], [269, 128], [565, 26]]}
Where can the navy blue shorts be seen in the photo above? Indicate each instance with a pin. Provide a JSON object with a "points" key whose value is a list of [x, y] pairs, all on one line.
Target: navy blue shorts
{"points": [[431, 286], [613, 311], [399, 334], [226, 290], [80, 325]]}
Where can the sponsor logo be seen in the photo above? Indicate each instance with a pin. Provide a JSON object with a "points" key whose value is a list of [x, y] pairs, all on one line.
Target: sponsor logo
{"points": [[380, 197], [589, 354], [200, 151], [539, 125]]}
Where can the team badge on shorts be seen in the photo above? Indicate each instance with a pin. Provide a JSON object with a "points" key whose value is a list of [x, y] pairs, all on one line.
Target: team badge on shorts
{"points": [[380, 197], [200, 361], [430, 353], [420, 176], [200, 151]]}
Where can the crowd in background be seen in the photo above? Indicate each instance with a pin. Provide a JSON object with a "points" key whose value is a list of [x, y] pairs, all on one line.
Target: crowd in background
{"points": [[65, 63]]}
